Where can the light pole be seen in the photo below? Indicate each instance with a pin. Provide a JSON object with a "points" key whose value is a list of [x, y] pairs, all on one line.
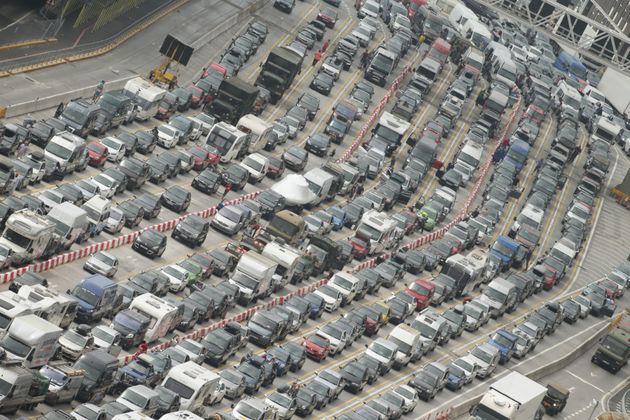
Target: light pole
{"points": [[595, 405]]}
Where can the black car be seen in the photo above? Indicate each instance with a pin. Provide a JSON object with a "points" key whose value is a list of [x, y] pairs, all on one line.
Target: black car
{"points": [[204, 304], [220, 345], [176, 198], [284, 5], [355, 376], [413, 261], [130, 140], [41, 133], [295, 158], [236, 176], [137, 172], [255, 369], [151, 205], [306, 402], [322, 83], [399, 309], [224, 263], [270, 203], [146, 142], [190, 316], [426, 385], [310, 103], [71, 193], [153, 281], [168, 401], [133, 213], [298, 355], [150, 243], [119, 177], [318, 144], [192, 230], [159, 170], [174, 162], [208, 181]]}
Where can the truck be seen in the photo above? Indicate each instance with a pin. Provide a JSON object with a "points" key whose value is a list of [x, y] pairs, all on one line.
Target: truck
{"points": [[30, 236], [613, 350], [329, 251], [616, 86], [64, 382], [513, 397], [259, 132], [253, 276], [279, 71], [233, 99], [195, 384], [503, 252], [31, 340], [287, 226], [622, 191], [71, 223], [96, 295]]}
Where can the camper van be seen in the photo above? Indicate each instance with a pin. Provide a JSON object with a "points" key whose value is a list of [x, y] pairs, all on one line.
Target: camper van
{"points": [[146, 95], [29, 235], [227, 141], [68, 151], [258, 130], [11, 307], [253, 276], [193, 383], [286, 257], [160, 312], [71, 223], [379, 229], [98, 210], [32, 340], [49, 304]]}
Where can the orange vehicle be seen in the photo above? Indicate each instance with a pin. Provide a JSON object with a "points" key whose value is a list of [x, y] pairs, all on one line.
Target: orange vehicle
{"points": [[440, 51]]}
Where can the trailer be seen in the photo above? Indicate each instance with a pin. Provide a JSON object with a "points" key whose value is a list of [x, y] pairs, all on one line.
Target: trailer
{"points": [[621, 192]]}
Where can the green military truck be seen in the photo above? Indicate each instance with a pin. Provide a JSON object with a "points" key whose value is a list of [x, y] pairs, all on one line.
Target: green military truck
{"points": [[613, 350]]}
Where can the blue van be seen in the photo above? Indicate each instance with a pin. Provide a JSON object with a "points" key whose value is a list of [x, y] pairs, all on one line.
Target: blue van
{"points": [[571, 66], [96, 295], [517, 154]]}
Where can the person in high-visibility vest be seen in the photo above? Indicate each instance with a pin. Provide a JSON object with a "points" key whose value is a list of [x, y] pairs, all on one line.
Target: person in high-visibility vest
{"points": [[317, 57]]}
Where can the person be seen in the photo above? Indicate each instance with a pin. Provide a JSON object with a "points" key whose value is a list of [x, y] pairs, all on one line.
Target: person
{"points": [[460, 65], [228, 188], [317, 57], [539, 164], [143, 347], [599, 109], [99, 90], [154, 131], [59, 110], [325, 46], [481, 98], [421, 39], [22, 149], [392, 163], [364, 59]]}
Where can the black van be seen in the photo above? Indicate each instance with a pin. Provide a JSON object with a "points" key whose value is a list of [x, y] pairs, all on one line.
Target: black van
{"points": [[100, 368], [137, 172], [119, 107]]}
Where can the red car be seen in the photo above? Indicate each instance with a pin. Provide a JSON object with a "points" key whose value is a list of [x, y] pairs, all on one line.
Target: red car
{"points": [[203, 158], [422, 291], [328, 16], [198, 96], [214, 67], [317, 347], [361, 247], [97, 153], [550, 276]]}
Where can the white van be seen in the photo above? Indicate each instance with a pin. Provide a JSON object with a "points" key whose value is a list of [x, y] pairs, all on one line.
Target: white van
{"points": [[71, 223], [506, 73], [97, 209], [409, 345], [379, 229], [347, 284], [477, 33], [160, 312], [531, 216], [146, 95], [566, 96], [470, 155], [67, 150], [460, 14]]}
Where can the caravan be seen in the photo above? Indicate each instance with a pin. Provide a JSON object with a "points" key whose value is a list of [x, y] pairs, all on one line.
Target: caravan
{"points": [[146, 95], [71, 223], [258, 130], [160, 312], [193, 383], [286, 256], [31, 340], [227, 141], [379, 230]]}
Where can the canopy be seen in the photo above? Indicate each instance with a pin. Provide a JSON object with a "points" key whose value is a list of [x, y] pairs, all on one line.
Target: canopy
{"points": [[294, 188]]}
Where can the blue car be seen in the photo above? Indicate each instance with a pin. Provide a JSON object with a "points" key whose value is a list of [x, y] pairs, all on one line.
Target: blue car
{"points": [[317, 305], [505, 341], [456, 377], [338, 217]]}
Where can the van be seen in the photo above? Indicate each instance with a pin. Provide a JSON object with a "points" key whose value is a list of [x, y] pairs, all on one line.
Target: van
{"points": [[506, 73], [566, 96], [137, 172], [470, 155], [501, 296], [473, 60], [427, 73], [100, 368], [31, 340], [563, 253], [68, 152], [265, 328], [140, 399], [477, 33], [347, 284], [98, 210], [320, 183], [384, 351], [120, 108], [80, 117], [96, 295], [71, 222], [132, 327], [409, 345], [459, 15]]}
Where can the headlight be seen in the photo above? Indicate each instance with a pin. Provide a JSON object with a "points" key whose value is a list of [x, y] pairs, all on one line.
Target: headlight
{"points": [[129, 336]]}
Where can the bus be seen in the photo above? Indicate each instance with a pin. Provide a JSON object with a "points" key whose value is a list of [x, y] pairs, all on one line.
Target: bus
{"points": [[571, 66], [146, 95], [160, 312]]}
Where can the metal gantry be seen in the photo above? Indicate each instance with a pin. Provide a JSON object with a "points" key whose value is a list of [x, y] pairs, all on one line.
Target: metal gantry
{"points": [[591, 39]]}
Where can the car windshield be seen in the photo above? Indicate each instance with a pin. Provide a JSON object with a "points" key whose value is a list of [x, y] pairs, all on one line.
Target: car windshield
{"points": [[85, 295], [177, 387], [318, 341], [15, 346], [76, 338], [419, 289], [253, 163], [502, 340], [107, 259], [231, 376], [402, 346], [283, 400]]}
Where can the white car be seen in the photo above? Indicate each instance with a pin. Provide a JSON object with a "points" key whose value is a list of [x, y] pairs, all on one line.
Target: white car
{"points": [[168, 136], [338, 338], [106, 184], [115, 147], [102, 263], [469, 366], [106, 339], [140, 398], [283, 403], [332, 297], [177, 276], [50, 198], [88, 412], [409, 396], [193, 348], [257, 165]]}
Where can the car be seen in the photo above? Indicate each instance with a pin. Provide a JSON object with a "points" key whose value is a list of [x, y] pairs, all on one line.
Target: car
{"points": [[257, 165], [230, 220], [224, 262], [150, 243], [97, 154], [192, 230], [146, 142], [306, 37], [150, 204], [276, 167], [318, 144], [310, 103], [355, 376], [284, 5], [133, 212], [236, 176], [328, 16], [295, 158], [317, 347], [176, 198], [102, 263], [322, 83], [208, 181]]}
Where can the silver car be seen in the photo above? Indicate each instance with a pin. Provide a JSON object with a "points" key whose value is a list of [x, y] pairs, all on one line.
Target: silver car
{"points": [[102, 263]]}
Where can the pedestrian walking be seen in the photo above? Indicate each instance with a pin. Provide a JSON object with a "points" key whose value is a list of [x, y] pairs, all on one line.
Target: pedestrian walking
{"points": [[392, 163], [22, 149], [364, 59], [325, 46], [481, 98], [539, 164], [228, 188], [317, 57], [98, 91], [59, 110]]}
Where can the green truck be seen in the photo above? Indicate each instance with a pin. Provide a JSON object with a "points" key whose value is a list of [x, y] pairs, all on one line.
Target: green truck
{"points": [[279, 71], [613, 350]]}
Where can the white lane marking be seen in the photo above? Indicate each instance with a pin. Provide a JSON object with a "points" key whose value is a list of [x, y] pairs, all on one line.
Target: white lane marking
{"points": [[585, 381]]}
